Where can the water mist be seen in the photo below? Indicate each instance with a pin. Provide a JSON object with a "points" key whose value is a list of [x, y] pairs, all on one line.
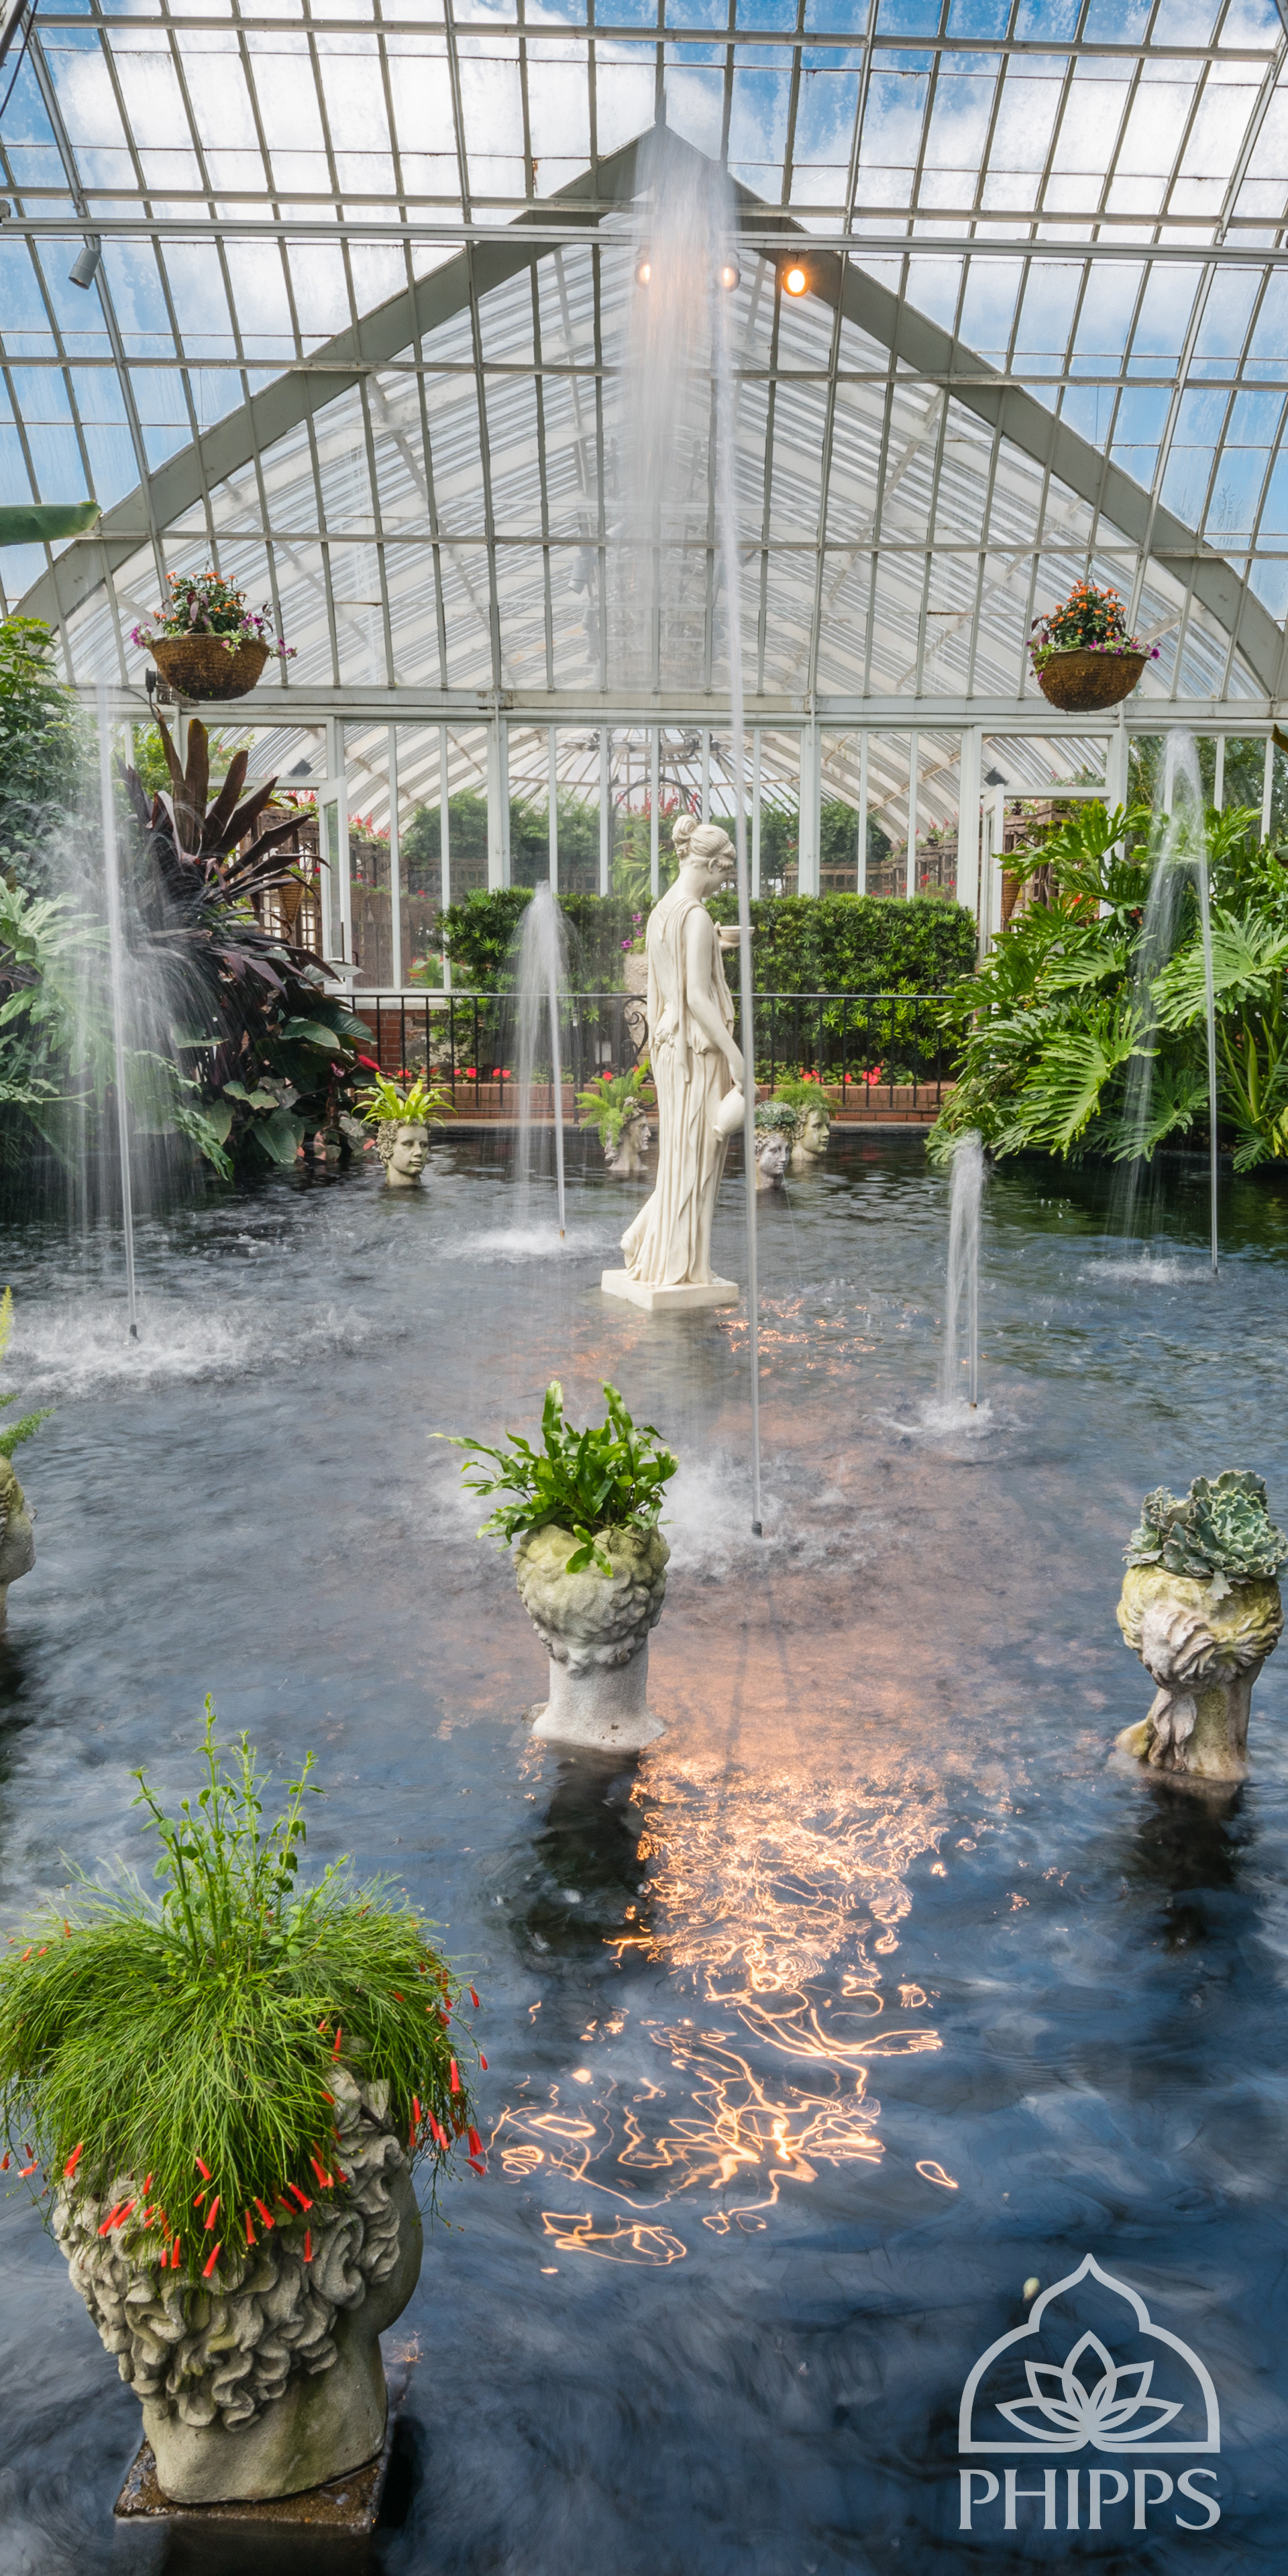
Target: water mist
{"points": [[961, 1306], [542, 983], [116, 970], [668, 580]]}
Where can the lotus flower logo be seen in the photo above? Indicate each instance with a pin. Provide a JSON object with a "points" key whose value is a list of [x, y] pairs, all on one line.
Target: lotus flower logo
{"points": [[1090, 2401], [1080, 2414]]}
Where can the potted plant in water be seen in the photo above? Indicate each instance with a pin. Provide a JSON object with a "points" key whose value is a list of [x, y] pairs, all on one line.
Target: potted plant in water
{"points": [[1200, 1606], [804, 1094], [401, 1121], [592, 1562], [205, 642], [617, 1107], [1083, 654], [226, 2092], [17, 1543]]}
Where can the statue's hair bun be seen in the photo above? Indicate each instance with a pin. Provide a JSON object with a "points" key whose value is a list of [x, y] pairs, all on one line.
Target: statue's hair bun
{"points": [[682, 831]]}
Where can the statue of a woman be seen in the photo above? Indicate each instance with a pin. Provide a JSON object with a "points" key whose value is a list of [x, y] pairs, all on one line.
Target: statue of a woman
{"points": [[696, 1067]]}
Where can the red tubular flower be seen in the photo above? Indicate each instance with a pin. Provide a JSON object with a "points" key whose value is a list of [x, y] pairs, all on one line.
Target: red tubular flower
{"points": [[474, 1999], [302, 2197], [328, 2097], [338, 2037], [213, 2212], [123, 2214], [308, 2244], [323, 2176], [265, 2214], [4, 2162], [197, 2199], [174, 2259], [74, 2159], [26, 1955], [415, 2109], [109, 2221], [476, 2143], [456, 2081], [482, 2061], [207, 2268], [474, 2162], [250, 2232], [202, 2168]]}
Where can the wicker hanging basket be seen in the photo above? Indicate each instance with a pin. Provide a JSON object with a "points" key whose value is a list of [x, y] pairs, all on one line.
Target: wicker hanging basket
{"points": [[197, 666], [1080, 682]]}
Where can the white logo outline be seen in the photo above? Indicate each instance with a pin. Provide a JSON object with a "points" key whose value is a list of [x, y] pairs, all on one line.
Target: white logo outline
{"points": [[1095, 2414]]}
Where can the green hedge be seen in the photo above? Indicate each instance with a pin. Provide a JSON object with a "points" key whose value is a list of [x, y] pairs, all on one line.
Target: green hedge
{"points": [[831, 943]]}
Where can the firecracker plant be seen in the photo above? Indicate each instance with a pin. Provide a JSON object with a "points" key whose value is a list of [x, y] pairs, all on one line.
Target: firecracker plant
{"points": [[191, 2040]]}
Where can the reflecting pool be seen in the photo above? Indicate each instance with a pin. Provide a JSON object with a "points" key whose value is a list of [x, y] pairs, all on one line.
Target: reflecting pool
{"points": [[870, 1992]]}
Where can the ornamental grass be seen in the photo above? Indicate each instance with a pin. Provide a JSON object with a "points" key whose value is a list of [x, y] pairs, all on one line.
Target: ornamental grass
{"points": [[186, 2045]]}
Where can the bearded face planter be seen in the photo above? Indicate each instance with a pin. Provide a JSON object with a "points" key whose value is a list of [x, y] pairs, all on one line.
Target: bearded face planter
{"points": [[229, 2091], [591, 1564], [1200, 1606]]}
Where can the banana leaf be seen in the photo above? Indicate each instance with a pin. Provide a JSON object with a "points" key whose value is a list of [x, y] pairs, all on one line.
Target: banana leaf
{"points": [[38, 522]]}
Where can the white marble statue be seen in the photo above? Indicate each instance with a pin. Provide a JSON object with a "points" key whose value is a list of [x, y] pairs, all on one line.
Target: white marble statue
{"points": [[696, 1067]]}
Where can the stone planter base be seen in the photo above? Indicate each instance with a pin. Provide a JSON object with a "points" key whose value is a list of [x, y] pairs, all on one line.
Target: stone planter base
{"points": [[670, 1301], [346, 2504], [605, 1709]]}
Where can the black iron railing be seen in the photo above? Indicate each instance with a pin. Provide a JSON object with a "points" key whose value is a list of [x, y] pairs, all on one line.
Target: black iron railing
{"points": [[886, 1048]]}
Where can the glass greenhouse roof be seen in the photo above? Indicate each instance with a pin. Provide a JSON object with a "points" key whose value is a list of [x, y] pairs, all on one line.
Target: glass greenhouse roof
{"points": [[357, 329]]}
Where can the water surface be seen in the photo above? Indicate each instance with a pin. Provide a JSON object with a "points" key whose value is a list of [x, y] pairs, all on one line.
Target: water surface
{"points": [[870, 1991]]}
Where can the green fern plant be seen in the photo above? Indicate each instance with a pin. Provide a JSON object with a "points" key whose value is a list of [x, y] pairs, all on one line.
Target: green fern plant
{"points": [[16, 1432], [610, 1476]]}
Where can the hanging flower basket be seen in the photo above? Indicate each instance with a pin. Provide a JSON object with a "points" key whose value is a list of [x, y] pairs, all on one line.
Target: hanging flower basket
{"points": [[1078, 682], [1082, 653], [200, 666], [205, 641]]}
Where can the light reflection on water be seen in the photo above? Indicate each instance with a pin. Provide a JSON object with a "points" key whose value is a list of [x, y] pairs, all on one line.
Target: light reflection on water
{"points": [[774, 1923]]}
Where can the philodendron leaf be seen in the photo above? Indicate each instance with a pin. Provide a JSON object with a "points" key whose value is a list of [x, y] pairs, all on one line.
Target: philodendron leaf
{"points": [[312, 1033], [281, 1136]]}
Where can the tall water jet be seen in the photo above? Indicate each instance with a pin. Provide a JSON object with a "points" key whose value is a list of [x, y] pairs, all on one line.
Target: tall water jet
{"points": [[116, 972], [961, 1305], [542, 982], [668, 579], [1186, 840]]}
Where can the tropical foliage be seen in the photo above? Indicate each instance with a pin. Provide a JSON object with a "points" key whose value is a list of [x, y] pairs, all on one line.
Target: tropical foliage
{"points": [[843, 943], [188, 2041], [273, 1047], [16, 1432], [1222, 1528], [608, 1104], [1078, 1034], [610, 1476], [42, 752]]}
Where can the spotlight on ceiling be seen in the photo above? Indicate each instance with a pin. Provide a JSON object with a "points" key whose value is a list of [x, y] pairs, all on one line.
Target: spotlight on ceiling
{"points": [[795, 280], [729, 274], [643, 269], [84, 268], [994, 778], [301, 770]]}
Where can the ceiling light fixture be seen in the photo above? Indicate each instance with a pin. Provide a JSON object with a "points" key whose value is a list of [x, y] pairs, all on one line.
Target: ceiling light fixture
{"points": [[795, 280], [84, 268]]}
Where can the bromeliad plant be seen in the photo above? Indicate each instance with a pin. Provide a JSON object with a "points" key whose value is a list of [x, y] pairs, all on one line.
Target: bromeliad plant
{"points": [[608, 1477], [192, 2042], [1088, 621], [1221, 1531], [205, 604], [382, 1102]]}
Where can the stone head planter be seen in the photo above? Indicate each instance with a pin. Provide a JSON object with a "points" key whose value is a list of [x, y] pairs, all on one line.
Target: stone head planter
{"points": [[625, 1157], [595, 1628], [1203, 1642], [268, 2381], [773, 1154], [814, 1126], [17, 1539], [403, 1147]]}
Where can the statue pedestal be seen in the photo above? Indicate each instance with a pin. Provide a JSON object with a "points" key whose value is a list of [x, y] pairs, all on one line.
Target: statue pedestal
{"points": [[606, 1707], [670, 1301]]}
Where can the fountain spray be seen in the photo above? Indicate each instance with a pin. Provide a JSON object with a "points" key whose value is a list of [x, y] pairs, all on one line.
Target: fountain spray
{"points": [[963, 1269], [727, 510], [542, 971], [1187, 838], [116, 969]]}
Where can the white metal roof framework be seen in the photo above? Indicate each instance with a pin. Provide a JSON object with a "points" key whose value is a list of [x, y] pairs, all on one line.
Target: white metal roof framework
{"points": [[357, 327]]}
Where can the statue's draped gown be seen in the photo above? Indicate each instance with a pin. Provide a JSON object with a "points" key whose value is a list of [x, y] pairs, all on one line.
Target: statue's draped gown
{"points": [[669, 1244]]}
